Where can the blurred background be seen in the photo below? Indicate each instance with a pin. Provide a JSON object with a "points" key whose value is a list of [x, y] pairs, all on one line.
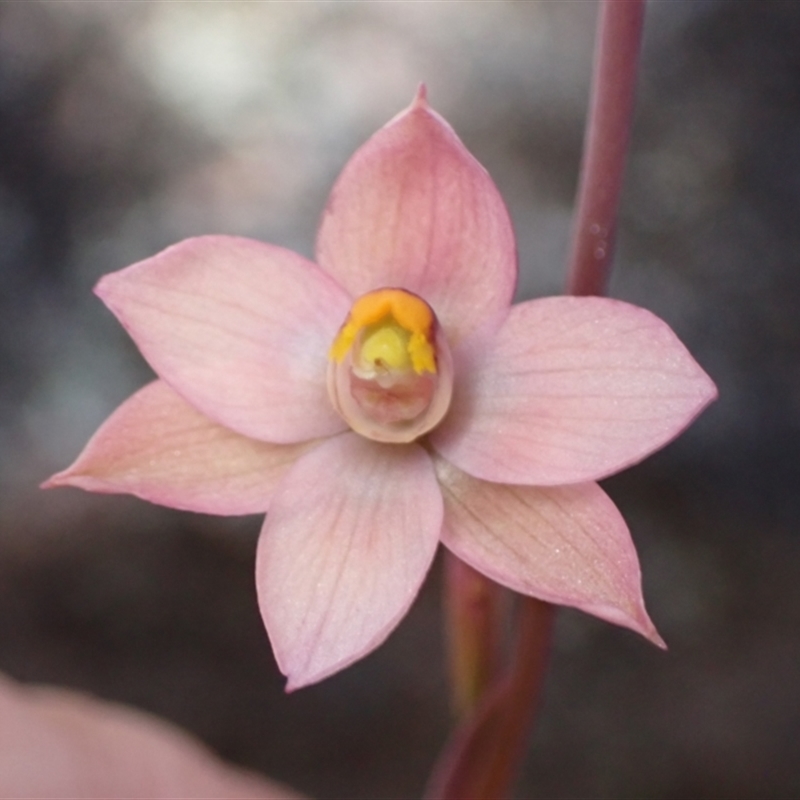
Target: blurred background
{"points": [[125, 127]]}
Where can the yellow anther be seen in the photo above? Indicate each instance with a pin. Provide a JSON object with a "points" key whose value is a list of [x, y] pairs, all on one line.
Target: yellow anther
{"points": [[387, 346], [343, 342], [397, 328], [421, 352]]}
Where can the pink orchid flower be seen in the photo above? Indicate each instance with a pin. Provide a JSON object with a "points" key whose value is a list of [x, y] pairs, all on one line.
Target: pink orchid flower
{"points": [[389, 397]]}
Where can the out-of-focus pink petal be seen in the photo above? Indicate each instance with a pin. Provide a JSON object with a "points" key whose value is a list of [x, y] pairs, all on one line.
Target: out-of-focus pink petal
{"points": [[564, 544], [60, 744], [157, 447], [570, 389], [351, 533], [413, 209], [240, 328]]}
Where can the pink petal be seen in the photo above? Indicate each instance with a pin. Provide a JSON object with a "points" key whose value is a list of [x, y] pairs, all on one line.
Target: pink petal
{"points": [[413, 209], [60, 744], [563, 544], [570, 389], [240, 328], [157, 447], [351, 533]]}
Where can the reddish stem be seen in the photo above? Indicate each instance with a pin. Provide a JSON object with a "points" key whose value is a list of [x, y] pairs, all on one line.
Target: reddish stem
{"points": [[619, 33], [474, 607], [483, 757]]}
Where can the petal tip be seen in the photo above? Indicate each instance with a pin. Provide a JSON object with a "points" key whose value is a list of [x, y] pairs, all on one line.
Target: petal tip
{"points": [[656, 639], [101, 288], [63, 478], [300, 672], [75, 480], [300, 680], [421, 97], [710, 391], [705, 393], [641, 623], [292, 685], [636, 620]]}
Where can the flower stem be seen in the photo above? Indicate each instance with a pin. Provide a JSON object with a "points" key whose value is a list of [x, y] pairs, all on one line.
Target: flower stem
{"points": [[482, 759], [483, 756], [619, 33], [474, 607]]}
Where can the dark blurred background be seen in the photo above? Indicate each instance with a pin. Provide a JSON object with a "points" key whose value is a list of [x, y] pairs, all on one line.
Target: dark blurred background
{"points": [[125, 127]]}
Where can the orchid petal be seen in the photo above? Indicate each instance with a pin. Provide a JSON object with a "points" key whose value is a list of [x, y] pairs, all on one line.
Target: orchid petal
{"points": [[563, 544], [351, 533], [570, 389], [56, 743], [157, 447], [413, 209], [240, 328]]}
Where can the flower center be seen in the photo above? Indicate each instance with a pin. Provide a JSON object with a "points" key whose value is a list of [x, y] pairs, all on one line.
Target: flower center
{"points": [[390, 374]]}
